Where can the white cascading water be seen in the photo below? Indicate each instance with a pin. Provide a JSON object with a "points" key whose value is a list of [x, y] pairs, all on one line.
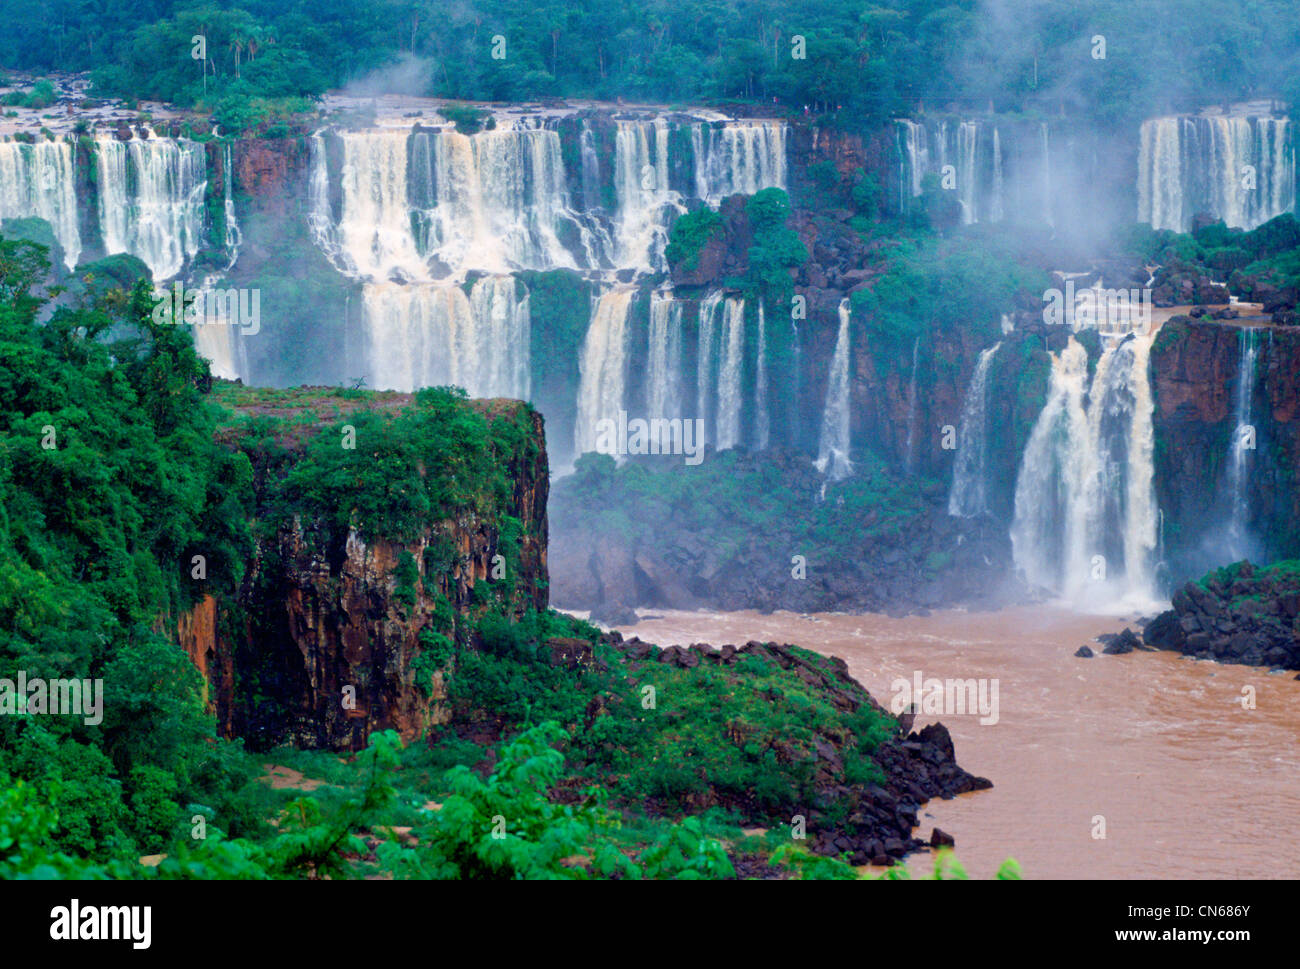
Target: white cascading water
{"points": [[39, 181], [495, 200], [641, 185], [664, 357], [602, 367], [834, 445], [731, 366], [428, 336], [1085, 511], [151, 199], [969, 495], [738, 158], [967, 172], [705, 375], [1048, 194], [1239, 169], [234, 238], [926, 148], [374, 237], [909, 460], [1240, 446], [997, 210]]}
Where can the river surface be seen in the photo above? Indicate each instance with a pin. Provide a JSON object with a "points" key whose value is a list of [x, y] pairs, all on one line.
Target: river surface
{"points": [[1190, 783]]}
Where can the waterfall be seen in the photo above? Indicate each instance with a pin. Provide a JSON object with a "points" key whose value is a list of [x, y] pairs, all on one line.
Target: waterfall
{"points": [[969, 495], [972, 148], [833, 446], [967, 172], [151, 200], [602, 367], [738, 157], [496, 200], [374, 229], [644, 197], [40, 181], [219, 343], [664, 359], [910, 453], [704, 374], [730, 375], [427, 336], [1239, 454], [997, 211], [763, 419], [1045, 136], [1085, 509], [1238, 169], [234, 238]]}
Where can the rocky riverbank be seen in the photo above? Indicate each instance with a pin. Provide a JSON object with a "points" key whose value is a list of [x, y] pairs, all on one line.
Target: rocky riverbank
{"points": [[869, 821], [1238, 614]]}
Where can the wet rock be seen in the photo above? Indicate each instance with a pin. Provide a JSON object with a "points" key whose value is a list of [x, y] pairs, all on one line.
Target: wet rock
{"points": [[1084, 652]]}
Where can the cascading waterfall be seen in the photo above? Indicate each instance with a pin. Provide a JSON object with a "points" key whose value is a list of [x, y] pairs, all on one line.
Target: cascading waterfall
{"points": [[375, 239], [425, 336], [1085, 511], [969, 495], [234, 238], [967, 172], [641, 185], [997, 211], [664, 359], [972, 148], [1048, 195], [495, 200], [705, 376], [833, 446], [39, 181], [1239, 169], [739, 157], [602, 367], [730, 374], [151, 200], [910, 453], [1240, 446]]}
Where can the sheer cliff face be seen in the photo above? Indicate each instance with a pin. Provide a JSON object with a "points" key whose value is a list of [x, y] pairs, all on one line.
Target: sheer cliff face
{"points": [[1197, 369], [317, 646]]}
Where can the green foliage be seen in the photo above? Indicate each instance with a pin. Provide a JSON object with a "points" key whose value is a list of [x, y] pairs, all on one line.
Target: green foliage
{"points": [[690, 234], [944, 286], [425, 463], [40, 95], [467, 118], [857, 65], [777, 248]]}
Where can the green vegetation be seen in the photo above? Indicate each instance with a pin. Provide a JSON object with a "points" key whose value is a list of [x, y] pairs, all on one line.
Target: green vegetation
{"points": [[690, 234], [853, 65], [937, 285], [40, 95], [122, 469]]}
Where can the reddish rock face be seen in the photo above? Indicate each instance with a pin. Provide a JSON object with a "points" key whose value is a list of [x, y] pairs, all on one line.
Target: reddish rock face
{"points": [[268, 170], [1195, 368], [317, 647], [1194, 365]]}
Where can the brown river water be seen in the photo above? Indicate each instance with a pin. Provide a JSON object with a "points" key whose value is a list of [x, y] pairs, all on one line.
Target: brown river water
{"points": [[1190, 783]]}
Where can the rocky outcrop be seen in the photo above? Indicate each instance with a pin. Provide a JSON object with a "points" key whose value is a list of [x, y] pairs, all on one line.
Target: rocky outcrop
{"points": [[318, 645], [872, 822], [1195, 367], [1235, 615]]}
